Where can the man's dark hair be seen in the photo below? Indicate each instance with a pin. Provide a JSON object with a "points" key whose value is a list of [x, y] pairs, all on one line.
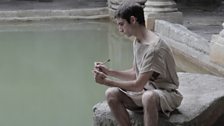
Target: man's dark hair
{"points": [[128, 9]]}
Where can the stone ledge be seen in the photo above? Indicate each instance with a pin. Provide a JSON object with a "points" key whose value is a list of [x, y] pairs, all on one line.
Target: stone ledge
{"points": [[217, 48], [45, 12], [191, 47], [202, 104], [182, 35], [42, 15]]}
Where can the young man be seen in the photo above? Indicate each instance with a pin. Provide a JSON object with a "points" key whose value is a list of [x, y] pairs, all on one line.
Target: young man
{"points": [[151, 84]]}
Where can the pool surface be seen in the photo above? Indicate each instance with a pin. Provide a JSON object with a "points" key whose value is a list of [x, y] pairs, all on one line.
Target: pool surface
{"points": [[45, 71]]}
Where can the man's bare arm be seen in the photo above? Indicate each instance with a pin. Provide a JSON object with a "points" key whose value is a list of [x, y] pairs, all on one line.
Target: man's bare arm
{"points": [[123, 75], [132, 85]]}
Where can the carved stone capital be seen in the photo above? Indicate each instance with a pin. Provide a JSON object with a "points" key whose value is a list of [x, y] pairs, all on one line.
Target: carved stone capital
{"points": [[159, 6]]}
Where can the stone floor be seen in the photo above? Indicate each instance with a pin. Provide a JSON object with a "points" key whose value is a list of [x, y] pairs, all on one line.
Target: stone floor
{"points": [[204, 21]]}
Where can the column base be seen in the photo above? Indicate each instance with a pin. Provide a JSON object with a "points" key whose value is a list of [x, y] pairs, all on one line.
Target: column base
{"points": [[173, 17], [217, 49]]}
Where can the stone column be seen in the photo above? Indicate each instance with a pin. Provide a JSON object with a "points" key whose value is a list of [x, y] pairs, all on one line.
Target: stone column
{"points": [[217, 48], [163, 10]]}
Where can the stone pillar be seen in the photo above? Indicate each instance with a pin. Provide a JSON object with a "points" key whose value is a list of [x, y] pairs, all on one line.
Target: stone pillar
{"points": [[217, 48], [163, 10]]}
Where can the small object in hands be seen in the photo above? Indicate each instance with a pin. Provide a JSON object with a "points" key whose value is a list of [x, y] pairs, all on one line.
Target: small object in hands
{"points": [[105, 62]]}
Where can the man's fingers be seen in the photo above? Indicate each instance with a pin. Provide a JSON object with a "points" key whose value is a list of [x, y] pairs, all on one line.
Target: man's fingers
{"points": [[97, 63], [98, 73]]}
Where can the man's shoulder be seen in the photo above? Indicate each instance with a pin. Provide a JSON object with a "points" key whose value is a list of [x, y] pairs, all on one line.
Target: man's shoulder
{"points": [[162, 44]]}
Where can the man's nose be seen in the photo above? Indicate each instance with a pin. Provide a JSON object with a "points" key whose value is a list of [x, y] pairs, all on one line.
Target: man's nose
{"points": [[121, 30]]}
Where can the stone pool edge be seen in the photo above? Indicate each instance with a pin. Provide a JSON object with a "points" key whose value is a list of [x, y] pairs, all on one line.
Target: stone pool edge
{"points": [[50, 15]]}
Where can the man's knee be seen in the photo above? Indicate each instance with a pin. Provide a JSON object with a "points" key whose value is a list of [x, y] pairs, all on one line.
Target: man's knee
{"points": [[150, 98], [112, 94]]}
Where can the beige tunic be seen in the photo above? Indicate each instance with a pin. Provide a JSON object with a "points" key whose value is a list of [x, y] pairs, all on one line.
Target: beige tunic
{"points": [[157, 57]]}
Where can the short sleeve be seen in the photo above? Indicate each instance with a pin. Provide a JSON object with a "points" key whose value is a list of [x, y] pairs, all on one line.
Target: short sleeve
{"points": [[153, 60]]}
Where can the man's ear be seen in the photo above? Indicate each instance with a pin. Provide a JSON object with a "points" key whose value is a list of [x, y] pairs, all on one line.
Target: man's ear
{"points": [[133, 20]]}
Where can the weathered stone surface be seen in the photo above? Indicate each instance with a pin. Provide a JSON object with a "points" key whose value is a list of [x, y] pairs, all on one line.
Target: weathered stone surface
{"points": [[114, 4], [48, 14], [190, 47], [182, 35], [202, 104], [217, 48], [173, 17], [162, 10], [201, 2]]}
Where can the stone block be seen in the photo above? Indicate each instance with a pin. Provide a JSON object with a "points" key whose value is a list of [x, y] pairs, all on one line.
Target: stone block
{"points": [[217, 49], [182, 35], [173, 17], [202, 104]]}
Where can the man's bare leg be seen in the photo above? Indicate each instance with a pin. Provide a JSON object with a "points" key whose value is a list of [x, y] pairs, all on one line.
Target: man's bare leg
{"points": [[118, 102], [151, 105]]}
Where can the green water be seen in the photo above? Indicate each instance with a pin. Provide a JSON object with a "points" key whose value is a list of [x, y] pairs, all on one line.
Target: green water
{"points": [[45, 71]]}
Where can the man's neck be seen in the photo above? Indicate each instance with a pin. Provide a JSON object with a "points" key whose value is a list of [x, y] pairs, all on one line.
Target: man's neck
{"points": [[141, 34], [144, 35]]}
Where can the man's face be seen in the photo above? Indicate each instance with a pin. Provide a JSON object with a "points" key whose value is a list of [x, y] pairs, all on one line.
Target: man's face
{"points": [[124, 26]]}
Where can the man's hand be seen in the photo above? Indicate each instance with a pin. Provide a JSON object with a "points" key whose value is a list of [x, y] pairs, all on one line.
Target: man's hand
{"points": [[101, 68], [99, 77]]}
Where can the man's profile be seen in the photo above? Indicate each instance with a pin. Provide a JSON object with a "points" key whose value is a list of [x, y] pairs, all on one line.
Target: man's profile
{"points": [[151, 83]]}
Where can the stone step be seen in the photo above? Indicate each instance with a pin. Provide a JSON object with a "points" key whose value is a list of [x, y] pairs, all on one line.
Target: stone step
{"points": [[29, 15]]}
